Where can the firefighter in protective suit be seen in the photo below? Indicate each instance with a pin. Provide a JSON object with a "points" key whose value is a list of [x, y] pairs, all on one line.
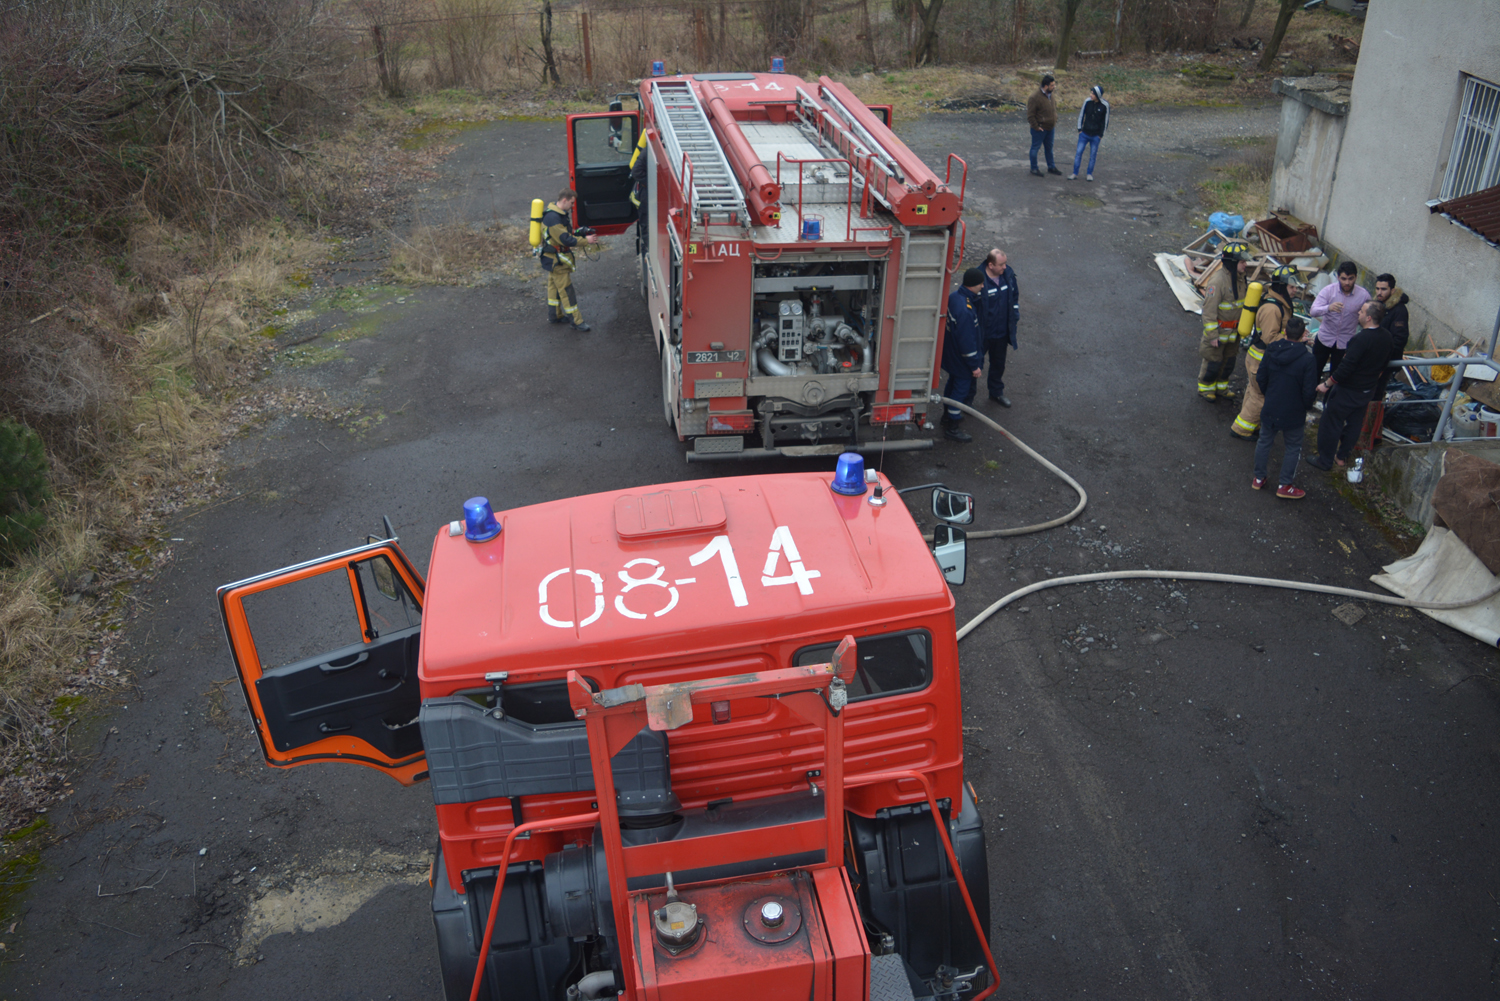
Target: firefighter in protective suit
{"points": [[1223, 298], [1270, 326], [557, 260]]}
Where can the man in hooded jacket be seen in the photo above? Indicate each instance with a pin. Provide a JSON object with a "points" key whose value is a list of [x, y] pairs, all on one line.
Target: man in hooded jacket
{"points": [[1093, 119], [1397, 321], [1288, 379]]}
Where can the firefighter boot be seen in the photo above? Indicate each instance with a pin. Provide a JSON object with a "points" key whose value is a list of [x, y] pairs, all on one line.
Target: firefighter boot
{"points": [[953, 432], [553, 316], [582, 327]]}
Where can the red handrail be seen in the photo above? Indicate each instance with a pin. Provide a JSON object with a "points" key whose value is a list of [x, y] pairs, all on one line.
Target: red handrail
{"points": [[948, 177], [849, 197]]}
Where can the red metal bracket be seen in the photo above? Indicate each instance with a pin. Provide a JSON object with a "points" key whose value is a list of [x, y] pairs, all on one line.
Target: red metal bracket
{"points": [[614, 716]]}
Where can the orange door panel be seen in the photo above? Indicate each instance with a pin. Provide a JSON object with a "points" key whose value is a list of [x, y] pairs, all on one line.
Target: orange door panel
{"points": [[327, 656]]}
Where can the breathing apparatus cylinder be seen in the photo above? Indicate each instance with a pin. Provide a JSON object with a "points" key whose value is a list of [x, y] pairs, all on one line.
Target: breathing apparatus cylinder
{"points": [[537, 234], [1252, 302]]}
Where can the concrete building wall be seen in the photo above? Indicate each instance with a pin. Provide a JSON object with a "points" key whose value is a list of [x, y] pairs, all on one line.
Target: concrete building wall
{"points": [[1403, 107], [1307, 156]]}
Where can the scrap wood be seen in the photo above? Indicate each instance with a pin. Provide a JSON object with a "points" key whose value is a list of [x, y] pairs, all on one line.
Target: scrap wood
{"points": [[1177, 271]]}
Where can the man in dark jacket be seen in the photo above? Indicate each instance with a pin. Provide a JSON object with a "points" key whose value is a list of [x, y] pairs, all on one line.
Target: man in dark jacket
{"points": [[1093, 118], [1288, 378], [1351, 386], [1041, 115], [1000, 315], [1397, 321], [963, 352]]}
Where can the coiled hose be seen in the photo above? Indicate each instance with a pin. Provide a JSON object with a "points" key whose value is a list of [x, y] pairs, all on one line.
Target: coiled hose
{"points": [[1222, 578]]}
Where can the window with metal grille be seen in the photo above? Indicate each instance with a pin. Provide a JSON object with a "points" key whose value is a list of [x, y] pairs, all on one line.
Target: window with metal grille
{"points": [[1474, 162]]}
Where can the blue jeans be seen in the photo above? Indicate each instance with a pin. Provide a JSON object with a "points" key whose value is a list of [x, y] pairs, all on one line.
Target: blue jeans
{"points": [[1040, 138], [961, 387], [1092, 142], [1292, 439]]}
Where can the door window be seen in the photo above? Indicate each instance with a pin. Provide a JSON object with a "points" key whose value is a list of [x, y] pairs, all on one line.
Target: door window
{"points": [[895, 662]]}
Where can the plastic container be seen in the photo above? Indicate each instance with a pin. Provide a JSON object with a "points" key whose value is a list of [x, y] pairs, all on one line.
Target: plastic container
{"points": [[1489, 423], [1466, 424]]}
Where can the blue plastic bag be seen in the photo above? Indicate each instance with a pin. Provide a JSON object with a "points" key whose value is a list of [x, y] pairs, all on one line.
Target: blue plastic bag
{"points": [[1229, 225]]}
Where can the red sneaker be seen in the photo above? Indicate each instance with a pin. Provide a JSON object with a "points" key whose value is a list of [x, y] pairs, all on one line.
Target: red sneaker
{"points": [[1291, 492], [1257, 482]]}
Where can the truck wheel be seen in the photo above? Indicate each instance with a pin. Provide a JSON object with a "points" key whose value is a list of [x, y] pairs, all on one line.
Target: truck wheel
{"points": [[666, 387]]}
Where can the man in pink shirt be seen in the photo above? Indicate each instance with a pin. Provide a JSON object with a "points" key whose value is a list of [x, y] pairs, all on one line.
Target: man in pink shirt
{"points": [[1338, 308]]}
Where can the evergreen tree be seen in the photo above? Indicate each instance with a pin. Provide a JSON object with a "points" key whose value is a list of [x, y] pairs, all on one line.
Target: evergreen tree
{"points": [[23, 488]]}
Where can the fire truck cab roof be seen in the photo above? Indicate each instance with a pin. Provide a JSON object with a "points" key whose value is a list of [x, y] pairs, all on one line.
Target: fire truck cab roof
{"points": [[695, 566]]}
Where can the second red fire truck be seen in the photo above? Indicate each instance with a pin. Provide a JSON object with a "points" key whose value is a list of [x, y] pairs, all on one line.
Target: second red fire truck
{"points": [[793, 254]]}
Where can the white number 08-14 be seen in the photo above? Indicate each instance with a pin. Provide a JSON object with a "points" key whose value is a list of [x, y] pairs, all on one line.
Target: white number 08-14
{"points": [[782, 547]]}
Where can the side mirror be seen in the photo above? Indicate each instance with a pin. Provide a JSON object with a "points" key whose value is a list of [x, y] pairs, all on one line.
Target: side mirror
{"points": [[951, 550], [952, 506]]}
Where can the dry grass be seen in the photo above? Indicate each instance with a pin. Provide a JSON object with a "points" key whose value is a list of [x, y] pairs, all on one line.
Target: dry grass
{"points": [[63, 606], [1241, 185], [455, 252]]}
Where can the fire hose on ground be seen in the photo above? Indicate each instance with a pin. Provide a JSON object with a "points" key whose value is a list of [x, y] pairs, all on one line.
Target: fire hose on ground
{"points": [[1222, 578]]}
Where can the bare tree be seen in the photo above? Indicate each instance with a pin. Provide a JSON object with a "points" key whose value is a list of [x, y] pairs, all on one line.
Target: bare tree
{"points": [[391, 35], [1065, 37], [1245, 17], [1284, 18], [925, 49], [548, 58]]}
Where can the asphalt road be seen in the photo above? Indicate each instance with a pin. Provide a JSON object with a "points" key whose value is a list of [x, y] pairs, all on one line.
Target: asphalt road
{"points": [[1191, 790]]}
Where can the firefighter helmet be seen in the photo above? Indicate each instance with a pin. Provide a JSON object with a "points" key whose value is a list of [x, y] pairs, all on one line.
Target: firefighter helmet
{"points": [[1283, 273], [1236, 248]]}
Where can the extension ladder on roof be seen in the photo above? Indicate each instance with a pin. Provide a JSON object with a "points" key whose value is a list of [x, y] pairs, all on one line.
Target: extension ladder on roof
{"points": [[716, 195]]}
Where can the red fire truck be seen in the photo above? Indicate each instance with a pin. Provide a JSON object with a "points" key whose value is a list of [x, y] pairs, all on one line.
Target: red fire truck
{"points": [[793, 254], [693, 740]]}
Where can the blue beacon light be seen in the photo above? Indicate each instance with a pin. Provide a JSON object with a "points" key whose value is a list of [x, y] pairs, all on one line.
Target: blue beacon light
{"points": [[658, 68], [479, 520], [849, 478]]}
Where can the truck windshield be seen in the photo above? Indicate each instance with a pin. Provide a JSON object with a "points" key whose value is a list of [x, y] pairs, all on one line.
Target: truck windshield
{"points": [[890, 663]]}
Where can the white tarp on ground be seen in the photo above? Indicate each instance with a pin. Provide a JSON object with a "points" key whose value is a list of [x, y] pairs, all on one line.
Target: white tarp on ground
{"points": [[1444, 569], [1173, 268]]}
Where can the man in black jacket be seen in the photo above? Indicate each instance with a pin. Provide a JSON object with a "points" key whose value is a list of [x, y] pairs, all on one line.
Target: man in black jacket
{"points": [[1093, 118], [1397, 321], [1288, 379], [963, 352], [999, 317], [1351, 386]]}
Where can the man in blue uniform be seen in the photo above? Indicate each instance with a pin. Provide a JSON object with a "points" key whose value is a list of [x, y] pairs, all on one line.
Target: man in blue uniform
{"points": [[1000, 316], [963, 354]]}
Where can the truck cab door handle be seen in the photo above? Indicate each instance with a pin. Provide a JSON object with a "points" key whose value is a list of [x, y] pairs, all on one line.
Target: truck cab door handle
{"points": [[329, 667], [325, 728]]}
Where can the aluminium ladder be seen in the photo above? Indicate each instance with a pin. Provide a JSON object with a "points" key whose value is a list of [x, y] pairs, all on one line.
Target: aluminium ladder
{"points": [[717, 198]]}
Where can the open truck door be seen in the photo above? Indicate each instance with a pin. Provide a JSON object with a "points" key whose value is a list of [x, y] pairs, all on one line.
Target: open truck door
{"points": [[600, 146], [327, 656]]}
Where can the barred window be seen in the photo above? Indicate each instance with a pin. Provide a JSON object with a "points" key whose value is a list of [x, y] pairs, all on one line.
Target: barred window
{"points": [[1474, 161]]}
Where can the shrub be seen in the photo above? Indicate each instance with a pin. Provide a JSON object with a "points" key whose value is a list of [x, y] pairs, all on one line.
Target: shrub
{"points": [[24, 491]]}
